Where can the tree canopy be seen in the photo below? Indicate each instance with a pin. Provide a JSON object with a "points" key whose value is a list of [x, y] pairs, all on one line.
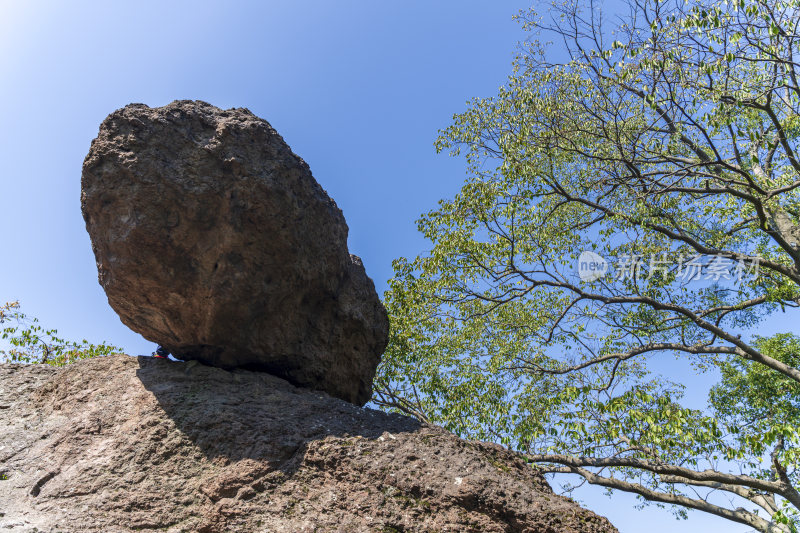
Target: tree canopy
{"points": [[666, 145], [28, 342]]}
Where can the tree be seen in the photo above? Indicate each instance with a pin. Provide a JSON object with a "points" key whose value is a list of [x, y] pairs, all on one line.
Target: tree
{"points": [[29, 342], [666, 146]]}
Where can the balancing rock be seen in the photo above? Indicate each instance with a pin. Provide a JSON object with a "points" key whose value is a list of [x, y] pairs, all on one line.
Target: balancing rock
{"points": [[213, 239]]}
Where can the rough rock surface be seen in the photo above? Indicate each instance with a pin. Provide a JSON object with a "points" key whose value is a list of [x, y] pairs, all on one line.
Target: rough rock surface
{"points": [[121, 444], [213, 239]]}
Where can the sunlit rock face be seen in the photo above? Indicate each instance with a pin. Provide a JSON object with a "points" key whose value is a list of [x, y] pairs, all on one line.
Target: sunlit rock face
{"points": [[122, 444]]}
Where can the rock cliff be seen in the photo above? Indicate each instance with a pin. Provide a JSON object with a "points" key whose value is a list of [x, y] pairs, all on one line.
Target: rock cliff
{"points": [[120, 444]]}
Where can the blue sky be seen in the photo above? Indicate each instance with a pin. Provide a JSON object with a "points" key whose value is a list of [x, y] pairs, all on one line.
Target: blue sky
{"points": [[357, 88]]}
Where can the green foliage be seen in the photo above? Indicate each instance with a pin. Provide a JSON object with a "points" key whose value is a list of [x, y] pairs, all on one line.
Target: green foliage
{"points": [[754, 398], [676, 141], [759, 408], [29, 342], [760, 411]]}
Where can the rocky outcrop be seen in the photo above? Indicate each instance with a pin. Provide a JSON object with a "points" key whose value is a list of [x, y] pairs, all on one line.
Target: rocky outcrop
{"points": [[122, 444], [213, 239]]}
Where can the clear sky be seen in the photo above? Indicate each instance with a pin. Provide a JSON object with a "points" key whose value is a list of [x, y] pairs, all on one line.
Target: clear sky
{"points": [[357, 88]]}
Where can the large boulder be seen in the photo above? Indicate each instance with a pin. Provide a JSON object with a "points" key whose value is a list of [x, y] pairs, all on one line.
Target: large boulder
{"points": [[117, 444], [213, 239]]}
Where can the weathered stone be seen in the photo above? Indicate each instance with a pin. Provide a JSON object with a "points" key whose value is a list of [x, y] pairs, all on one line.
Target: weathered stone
{"points": [[119, 444], [213, 239]]}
